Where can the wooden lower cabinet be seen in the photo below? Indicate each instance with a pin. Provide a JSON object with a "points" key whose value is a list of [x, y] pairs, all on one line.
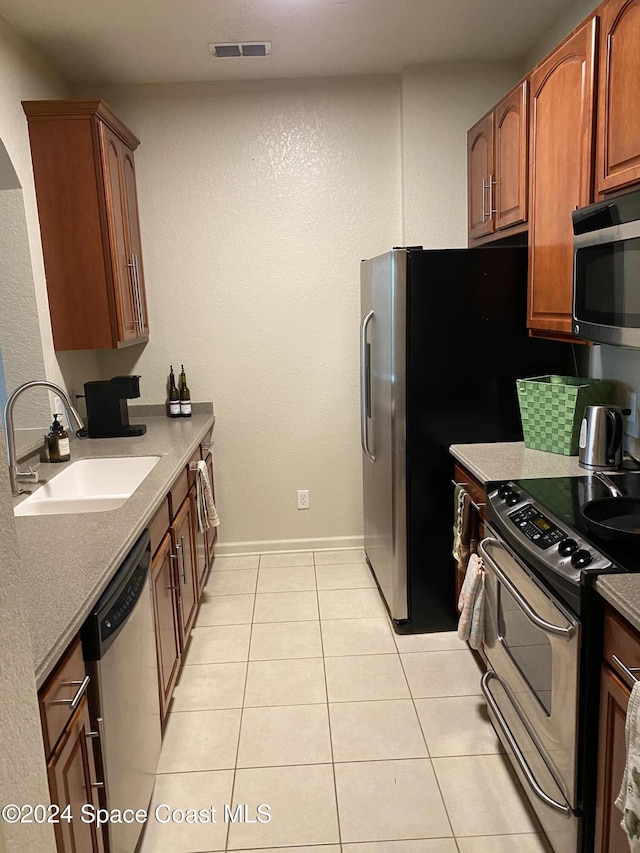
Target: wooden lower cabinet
{"points": [[478, 495], [622, 641], [179, 570], [165, 606], [71, 773], [182, 535], [67, 738]]}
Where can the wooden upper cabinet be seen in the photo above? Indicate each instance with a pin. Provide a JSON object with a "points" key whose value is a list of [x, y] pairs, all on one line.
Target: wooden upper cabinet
{"points": [[480, 170], [497, 167], [618, 149], [85, 187], [511, 161], [562, 97]]}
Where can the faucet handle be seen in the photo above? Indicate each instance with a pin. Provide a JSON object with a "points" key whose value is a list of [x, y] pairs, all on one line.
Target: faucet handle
{"points": [[29, 476]]}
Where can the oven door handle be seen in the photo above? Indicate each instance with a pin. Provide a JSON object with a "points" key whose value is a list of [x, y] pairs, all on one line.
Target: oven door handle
{"points": [[517, 753], [532, 616]]}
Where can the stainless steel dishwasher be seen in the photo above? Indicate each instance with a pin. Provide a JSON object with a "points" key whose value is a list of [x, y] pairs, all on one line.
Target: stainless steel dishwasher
{"points": [[118, 643]]}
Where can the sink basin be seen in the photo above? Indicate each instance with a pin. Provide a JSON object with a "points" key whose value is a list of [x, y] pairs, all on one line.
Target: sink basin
{"points": [[89, 485]]}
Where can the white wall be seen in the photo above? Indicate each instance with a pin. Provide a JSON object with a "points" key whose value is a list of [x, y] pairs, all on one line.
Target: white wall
{"points": [[439, 105], [257, 202]]}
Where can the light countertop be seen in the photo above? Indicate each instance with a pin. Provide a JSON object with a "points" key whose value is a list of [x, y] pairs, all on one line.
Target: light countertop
{"points": [[67, 561], [512, 461]]}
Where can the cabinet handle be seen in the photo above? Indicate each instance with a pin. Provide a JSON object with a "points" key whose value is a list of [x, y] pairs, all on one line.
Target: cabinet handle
{"points": [[629, 671], [492, 184], [484, 193], [136, 270], [184, 568], [82, 689], [134, 294]]}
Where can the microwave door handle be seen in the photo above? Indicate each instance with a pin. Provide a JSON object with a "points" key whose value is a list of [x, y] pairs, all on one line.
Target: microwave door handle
{"points": [[365, 386], [532, 616], [513, 745]]}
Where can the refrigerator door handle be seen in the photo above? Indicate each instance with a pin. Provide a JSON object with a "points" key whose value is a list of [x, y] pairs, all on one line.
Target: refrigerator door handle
{"points": [[365, 386]]}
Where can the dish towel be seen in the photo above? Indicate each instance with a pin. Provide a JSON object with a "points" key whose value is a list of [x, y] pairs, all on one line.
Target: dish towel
{"points": [[628, 800], [462, 523], [471, 603], [207, 515]]}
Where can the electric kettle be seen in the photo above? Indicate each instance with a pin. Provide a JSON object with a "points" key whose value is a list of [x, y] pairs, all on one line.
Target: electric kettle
{"points": [[601, 438]]}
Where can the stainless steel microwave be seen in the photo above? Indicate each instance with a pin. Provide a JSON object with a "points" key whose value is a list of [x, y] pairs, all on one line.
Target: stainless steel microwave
{"points": [[606, 271]]}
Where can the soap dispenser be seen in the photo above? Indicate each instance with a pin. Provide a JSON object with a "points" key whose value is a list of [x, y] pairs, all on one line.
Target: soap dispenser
{"points": [[58, 442]]}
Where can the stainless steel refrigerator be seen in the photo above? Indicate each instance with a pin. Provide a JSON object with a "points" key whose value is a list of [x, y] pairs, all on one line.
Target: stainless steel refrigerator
{"points": [[443, 339]]}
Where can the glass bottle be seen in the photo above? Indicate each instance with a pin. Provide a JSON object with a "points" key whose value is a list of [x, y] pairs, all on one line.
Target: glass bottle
{"points": [[58, 442], [185, 396], [174, 396]]}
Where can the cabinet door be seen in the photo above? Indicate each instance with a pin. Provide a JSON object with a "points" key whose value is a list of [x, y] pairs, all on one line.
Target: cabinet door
{"points": [[561, 172], [479, 176], [165, 609], [123, 284], [182, 531], [135, 246], [614, 698], [71, 773], [510, 154], [618, 151]]}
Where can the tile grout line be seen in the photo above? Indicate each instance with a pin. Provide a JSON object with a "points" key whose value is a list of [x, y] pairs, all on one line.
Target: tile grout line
{"points": [[244, 693], [433, 769], [326, 690]]}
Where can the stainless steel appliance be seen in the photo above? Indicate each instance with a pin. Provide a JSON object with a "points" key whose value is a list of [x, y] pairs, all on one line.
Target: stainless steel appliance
{"points": [[600, 442], [606, 283], [118, 643], [442, 341], [543, 642]]}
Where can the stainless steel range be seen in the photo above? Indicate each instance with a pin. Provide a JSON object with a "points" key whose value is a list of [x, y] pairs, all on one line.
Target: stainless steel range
{"points": [[543, 642]]}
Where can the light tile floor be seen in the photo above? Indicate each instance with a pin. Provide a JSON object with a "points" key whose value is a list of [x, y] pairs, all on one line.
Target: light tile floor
{"points": [[296, 695]]}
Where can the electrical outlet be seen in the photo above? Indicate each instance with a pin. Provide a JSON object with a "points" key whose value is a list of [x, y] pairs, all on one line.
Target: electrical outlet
{"points": [[632, 427], [303, 498]]}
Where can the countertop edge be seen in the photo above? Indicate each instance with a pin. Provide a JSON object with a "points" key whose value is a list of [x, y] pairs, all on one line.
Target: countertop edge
{"points": [[622, 592], [45, 665]]}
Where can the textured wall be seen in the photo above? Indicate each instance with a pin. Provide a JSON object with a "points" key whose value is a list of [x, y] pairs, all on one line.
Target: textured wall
{"points": [[19, 328], [439, 104], [257, 202], [22, 767]]}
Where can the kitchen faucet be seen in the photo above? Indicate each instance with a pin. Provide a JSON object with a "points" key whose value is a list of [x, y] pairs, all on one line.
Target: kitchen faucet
{"points": [[29, 476]]}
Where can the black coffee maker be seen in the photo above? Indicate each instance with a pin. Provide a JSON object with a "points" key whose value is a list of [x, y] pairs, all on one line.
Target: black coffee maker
{"points": [[107, 411]]}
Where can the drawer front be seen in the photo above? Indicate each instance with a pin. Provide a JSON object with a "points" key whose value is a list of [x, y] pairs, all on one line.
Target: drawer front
{"points": [[191, 475], [159, 525], [56, 696], [621, 646], [178, 493]]}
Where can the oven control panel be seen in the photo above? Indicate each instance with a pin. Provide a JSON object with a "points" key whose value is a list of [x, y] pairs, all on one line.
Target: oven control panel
{"points": [[540, 534], [537, 527]]}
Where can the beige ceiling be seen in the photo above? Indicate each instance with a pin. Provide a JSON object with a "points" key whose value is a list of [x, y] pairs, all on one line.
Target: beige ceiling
{"points": [[146, 41]]}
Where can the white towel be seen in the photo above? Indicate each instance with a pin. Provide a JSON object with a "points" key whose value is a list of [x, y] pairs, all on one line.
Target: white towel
{"points": [[628, 800], [471, 603], [207, 515]]}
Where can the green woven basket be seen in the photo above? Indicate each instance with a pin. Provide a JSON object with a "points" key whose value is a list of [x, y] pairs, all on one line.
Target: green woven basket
{"points": [[552, 408]]}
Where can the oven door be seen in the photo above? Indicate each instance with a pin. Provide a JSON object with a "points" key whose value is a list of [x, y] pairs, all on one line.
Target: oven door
{"points": [[533, 645]]}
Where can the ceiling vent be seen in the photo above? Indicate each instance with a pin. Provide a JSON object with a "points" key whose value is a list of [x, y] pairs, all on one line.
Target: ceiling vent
{"points": [[260, 49]]}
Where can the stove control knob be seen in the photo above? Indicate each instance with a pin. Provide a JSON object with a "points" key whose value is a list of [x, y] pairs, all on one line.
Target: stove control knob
{"points": [[513, 498], [504, 490], [580, 559], [567, 547]]}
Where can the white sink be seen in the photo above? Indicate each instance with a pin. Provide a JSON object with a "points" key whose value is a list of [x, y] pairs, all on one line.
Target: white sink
{"points": [[89, 485]]}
